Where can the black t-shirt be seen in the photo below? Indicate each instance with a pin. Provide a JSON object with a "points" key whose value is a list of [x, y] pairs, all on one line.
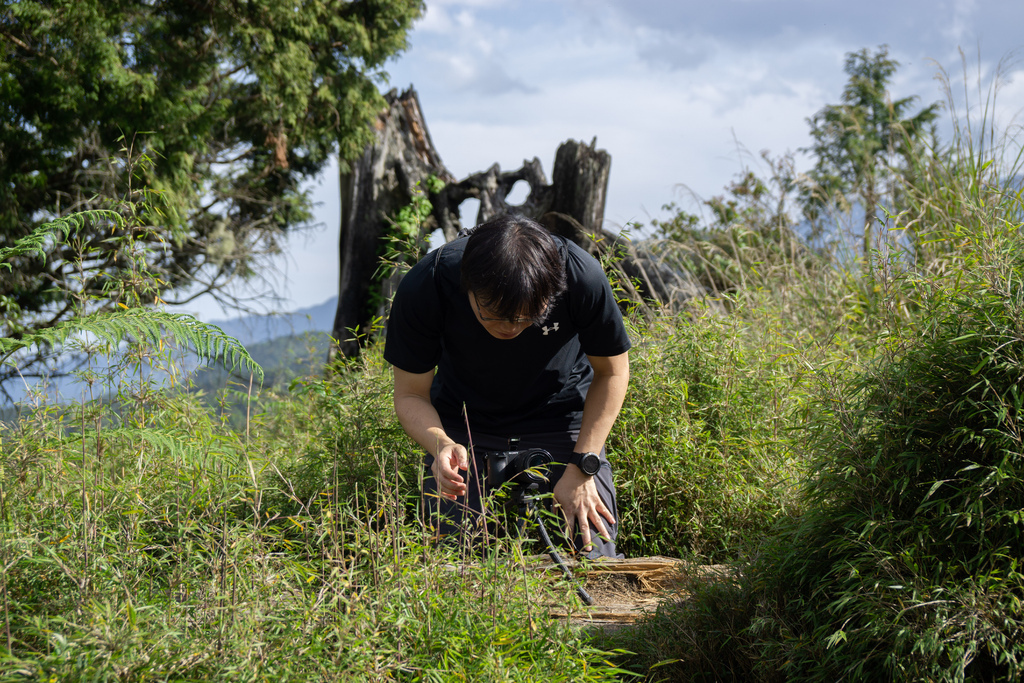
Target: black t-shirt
{"points": [[534, 383]]}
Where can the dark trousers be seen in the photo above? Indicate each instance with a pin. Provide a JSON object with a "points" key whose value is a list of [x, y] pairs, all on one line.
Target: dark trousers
{"points": [[465, 517]]}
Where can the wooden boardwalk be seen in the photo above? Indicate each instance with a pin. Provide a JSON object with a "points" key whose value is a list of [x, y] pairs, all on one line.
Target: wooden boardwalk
{"points": [[624, 590]]}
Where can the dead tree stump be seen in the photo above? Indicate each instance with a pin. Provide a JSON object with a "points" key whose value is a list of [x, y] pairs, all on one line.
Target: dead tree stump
{"points": [[376, 186], [383, 180], [579, 190]]}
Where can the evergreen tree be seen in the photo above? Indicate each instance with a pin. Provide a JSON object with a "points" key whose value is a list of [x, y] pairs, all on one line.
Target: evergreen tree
{"points": [[201, 118], [861, 144]]}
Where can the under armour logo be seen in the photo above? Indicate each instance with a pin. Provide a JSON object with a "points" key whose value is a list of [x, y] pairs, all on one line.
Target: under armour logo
{"points": [[553, 328]]}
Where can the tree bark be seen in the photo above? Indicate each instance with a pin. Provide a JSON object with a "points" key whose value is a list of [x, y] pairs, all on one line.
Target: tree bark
{"points": [[579, 189], [376, 186], [492, 188]]}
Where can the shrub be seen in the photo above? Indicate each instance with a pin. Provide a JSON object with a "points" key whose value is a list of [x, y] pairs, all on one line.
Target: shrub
{"points": [[704, 461], [904, 561], [915, 531]]}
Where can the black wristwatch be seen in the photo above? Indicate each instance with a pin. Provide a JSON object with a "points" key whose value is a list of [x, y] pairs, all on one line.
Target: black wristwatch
{"points": [[589, 463]]}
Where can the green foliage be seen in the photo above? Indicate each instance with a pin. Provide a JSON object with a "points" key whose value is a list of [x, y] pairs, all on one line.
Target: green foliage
{"points": [[861, 145], [60, 228], [848, 438], [679, 227], [703, 638], [747, 242], [407, 222], [405, 243], [211, 116], [900, 559], [285, 361], [356, 434], [915, 523], [903, 560], [964, 192], [113, 327], [402, 245], [141, 326], [705, 419], [169, 547]]}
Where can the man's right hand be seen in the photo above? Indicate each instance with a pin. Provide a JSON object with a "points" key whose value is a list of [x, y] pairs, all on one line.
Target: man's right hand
{"points": [[450, 460]]}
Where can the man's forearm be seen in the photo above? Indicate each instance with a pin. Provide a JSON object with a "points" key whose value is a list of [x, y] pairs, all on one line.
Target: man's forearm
{"points": [[421, 422], [604, 401]]}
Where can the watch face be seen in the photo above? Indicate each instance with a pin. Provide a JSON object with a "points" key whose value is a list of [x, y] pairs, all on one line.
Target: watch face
{"points": [[590, 463]]}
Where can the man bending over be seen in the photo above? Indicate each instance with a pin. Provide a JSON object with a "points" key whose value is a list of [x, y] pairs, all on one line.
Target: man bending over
{"points": [[521, 327]]}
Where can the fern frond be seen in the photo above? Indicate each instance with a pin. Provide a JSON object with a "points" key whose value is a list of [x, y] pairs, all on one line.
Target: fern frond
{"points": [[161, 439], [174, 443], [59, 228], [142, 324]]}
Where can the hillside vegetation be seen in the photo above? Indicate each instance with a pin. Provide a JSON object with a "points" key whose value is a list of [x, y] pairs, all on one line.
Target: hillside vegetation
{"points": [[841, 427]]}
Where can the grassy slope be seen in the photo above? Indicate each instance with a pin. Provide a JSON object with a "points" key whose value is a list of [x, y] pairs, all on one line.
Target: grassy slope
{"points": [[847, 434]]}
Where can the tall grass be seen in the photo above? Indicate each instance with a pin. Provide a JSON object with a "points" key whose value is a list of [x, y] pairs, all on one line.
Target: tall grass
{"points": [[179, 549], [903, 562], [147, 537], [851, 445], [971, 186], [704, 455], [142, 537]]}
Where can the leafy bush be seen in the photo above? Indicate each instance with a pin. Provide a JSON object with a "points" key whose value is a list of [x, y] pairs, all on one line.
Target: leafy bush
{"points": [[748, 239], [163, 553], [354, 436], [909, 560], [142, 538], [704, 459], [902, 561]]}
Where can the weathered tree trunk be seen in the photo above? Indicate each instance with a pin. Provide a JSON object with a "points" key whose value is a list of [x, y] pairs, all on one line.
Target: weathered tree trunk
{"points": [[376, 186], [579, 192], [492, 188], [580, 188]]}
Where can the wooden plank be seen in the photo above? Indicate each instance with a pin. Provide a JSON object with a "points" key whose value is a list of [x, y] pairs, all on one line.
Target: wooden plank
{"points": [[625, 590]]}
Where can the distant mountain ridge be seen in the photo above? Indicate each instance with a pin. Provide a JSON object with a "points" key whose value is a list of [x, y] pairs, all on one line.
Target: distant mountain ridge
{"points": [[249, 330], [255, 329]]}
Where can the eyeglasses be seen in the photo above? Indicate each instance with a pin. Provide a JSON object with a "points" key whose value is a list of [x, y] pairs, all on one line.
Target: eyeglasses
{"points": [[515, 321]]}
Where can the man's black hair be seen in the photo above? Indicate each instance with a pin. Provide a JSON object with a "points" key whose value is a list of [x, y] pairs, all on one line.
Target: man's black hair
{"points": [[513, 266]]}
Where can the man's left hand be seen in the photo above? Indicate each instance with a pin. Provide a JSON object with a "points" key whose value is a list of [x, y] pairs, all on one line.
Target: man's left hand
{"points": [[576, 494]]}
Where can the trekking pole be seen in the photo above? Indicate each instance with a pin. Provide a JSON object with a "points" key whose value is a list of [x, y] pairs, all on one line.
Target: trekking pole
{"points": [[531, 510]]}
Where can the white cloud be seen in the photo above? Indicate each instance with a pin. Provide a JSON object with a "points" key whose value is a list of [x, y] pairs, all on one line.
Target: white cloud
{"points": [[1009, 116], [482, 76], [674, 50], [446, 17]]}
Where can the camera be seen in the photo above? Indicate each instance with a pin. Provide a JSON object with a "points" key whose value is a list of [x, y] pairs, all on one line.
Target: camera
{"points": [[527, 470], [526, 467]]}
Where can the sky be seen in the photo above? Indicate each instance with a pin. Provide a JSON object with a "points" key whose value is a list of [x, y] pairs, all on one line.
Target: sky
{"points": [[682, 94]]}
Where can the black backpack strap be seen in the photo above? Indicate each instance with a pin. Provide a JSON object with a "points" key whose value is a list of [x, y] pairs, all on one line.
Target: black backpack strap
{"points": [[437, 280]]}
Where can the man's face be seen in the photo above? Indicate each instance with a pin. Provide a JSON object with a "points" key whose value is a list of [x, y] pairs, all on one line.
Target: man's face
{"points": [[500, 328]]}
